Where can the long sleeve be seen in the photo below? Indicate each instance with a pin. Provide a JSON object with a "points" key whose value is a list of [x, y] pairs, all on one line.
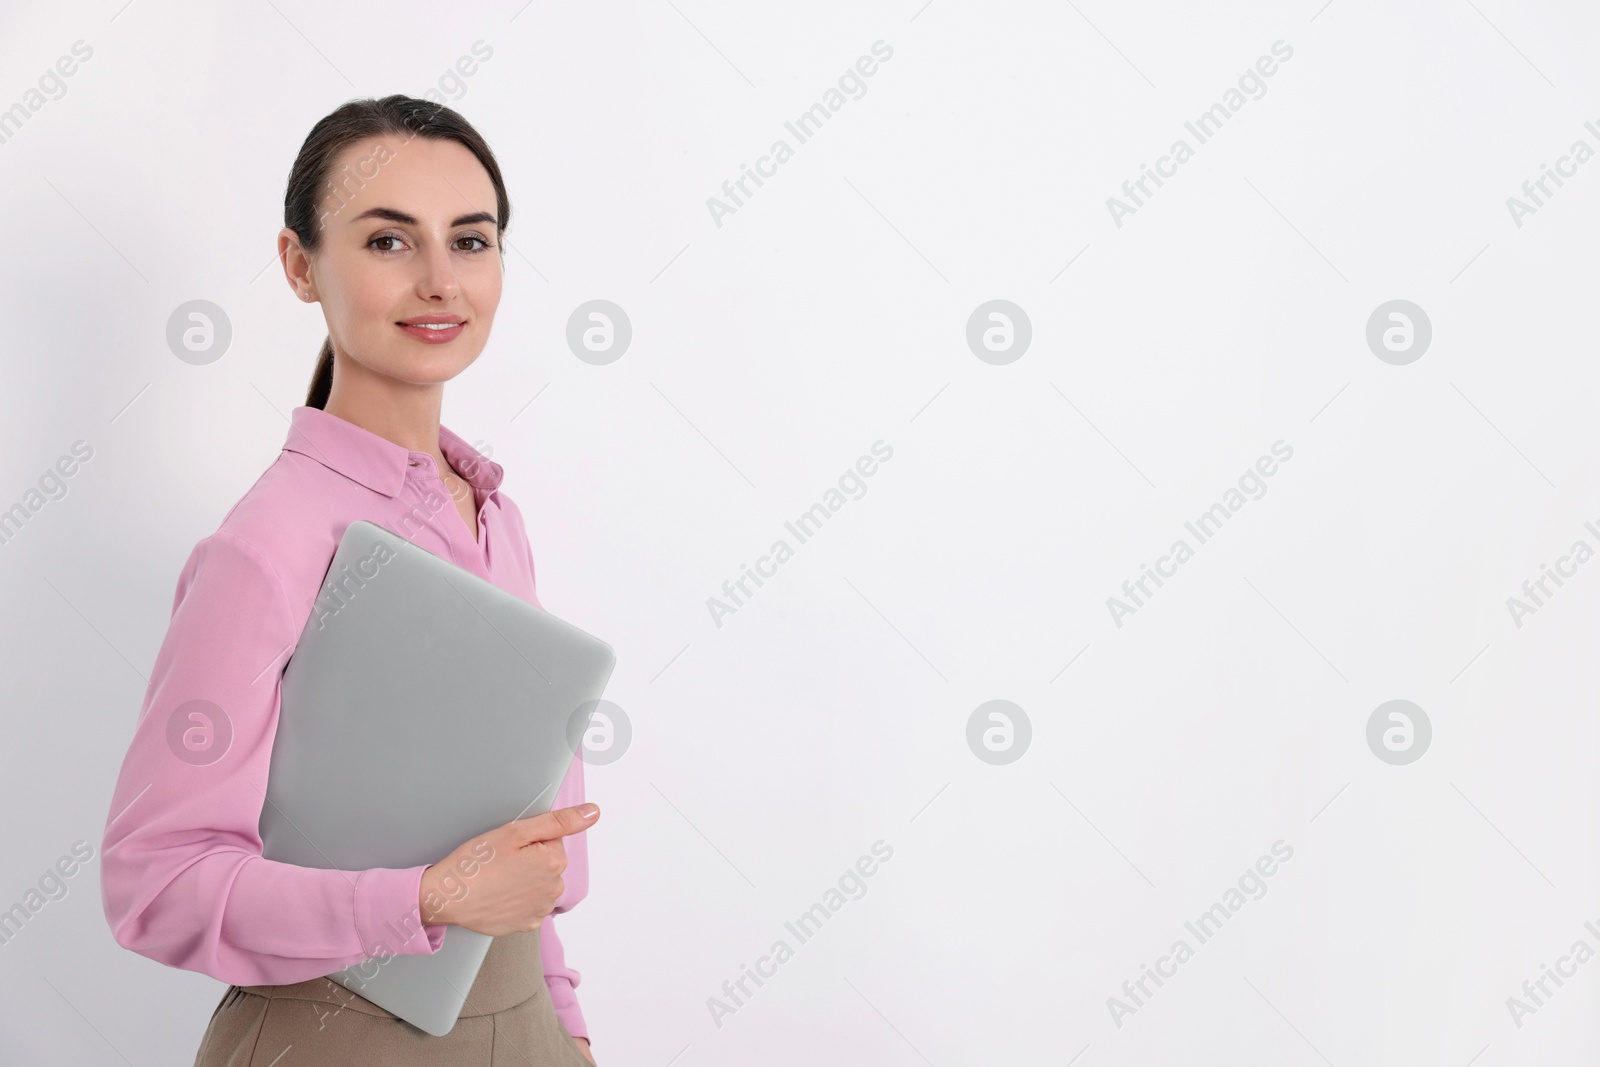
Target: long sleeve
{"points": [[183, 880], [561, 979]]}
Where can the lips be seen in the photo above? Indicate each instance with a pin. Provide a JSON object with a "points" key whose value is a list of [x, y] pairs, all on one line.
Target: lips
{"points": [[434, 329]]}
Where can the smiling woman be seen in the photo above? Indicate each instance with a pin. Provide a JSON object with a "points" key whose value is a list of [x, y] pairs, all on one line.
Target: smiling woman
{"points": [[325, 232], [394, 221]]}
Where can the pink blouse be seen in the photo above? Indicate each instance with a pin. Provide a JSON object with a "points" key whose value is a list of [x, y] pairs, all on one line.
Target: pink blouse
{"points": [[183, 880]]}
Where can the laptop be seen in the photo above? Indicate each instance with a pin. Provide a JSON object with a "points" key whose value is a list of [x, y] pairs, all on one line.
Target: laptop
{"points": [[422, 705]]}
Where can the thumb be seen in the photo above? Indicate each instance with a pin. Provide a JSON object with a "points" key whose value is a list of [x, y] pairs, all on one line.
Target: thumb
{"points": [[551, 825]]}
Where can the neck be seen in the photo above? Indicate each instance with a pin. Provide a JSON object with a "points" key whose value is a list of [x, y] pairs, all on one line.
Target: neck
{"points": [[397, 411]]}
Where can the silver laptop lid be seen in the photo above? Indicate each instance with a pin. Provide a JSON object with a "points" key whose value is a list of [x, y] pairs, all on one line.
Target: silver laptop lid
{"points": [[421, 706]]}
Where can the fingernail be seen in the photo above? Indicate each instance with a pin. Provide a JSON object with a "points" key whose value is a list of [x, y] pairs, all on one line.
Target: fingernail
{"points": [[588, 811]]}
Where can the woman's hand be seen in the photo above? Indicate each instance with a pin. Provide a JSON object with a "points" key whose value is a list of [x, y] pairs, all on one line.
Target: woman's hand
{"points": [[583, 1047], [507, 880]]}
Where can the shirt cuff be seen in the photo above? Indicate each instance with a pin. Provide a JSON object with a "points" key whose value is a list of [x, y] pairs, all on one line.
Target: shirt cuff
{"points": [[388, 914], [564, 999]]}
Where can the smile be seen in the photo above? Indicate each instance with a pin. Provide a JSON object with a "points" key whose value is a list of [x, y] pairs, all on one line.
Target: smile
{"points": [[436, 333]]}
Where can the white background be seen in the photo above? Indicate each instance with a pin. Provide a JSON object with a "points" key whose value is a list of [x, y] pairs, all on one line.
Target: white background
{"points": [[768, 354]]}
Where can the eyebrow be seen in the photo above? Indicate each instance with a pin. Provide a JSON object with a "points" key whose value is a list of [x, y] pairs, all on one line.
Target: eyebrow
{"points": [[411, 220]]}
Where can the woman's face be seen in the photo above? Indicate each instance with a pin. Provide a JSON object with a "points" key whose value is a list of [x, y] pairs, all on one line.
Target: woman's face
{"points": [[408, 237]]}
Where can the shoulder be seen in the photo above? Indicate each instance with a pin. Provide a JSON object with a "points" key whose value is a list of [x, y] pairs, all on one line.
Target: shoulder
{"points": [[274, 510], [228, 577], [512, 512], [286, 522]]}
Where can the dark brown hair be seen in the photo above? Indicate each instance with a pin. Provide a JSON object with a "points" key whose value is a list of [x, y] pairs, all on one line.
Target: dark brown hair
{"points": [[357, 120]]}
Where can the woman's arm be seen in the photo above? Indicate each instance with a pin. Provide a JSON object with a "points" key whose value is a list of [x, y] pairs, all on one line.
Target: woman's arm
{"points": [[561, 979], [183, 880]]}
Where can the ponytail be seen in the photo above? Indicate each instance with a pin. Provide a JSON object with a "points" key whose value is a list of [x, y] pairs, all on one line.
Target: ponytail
{"points": [[322, 377]]}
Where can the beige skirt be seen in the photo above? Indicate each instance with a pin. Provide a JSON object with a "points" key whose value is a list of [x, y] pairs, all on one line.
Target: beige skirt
{"points": [[507, 1021]]}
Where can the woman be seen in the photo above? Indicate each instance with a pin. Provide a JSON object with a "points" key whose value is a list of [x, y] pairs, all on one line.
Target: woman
{"points": [[394, 218]]}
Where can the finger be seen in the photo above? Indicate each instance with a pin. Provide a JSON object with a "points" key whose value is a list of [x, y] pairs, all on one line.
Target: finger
{"points": [[556, 824]]}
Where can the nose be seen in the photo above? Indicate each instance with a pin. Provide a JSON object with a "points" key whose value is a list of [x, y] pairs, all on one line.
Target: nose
{"points": [[437, 280]]}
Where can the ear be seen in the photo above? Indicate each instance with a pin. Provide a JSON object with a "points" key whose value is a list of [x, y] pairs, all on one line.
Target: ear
{"points": [[296, 264]]}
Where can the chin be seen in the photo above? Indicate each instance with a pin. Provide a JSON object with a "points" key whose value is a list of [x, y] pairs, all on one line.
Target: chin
{"points": [[431, 365]]}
